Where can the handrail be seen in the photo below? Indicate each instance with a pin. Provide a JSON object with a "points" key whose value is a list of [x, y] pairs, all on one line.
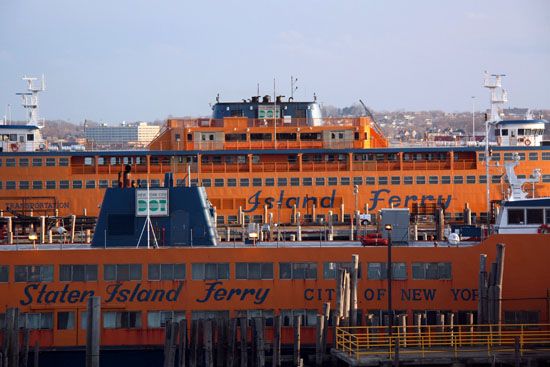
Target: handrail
{"points": [[361, 341]]}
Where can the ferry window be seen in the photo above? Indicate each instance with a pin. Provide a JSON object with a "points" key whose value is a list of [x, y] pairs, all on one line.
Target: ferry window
{"points": [[282, 181], [294, 181], [77, 273], [37, 185], [30, 137], [378, 271], [34, 273], [292, 158], [218, 182], [63, 161], [103, 184], [122, 272], [369, 180], [310, 136], [206, 182], [495, 157], [90, 184], [395, 180], [50, 162], [545, 178], [407, 180], [458, 179], [308, 317], [23, 162], [13, 137], [320, 181], [445, 180], [220, 219], [482, 179], [10, 162], [257, 181], [209, 315], [254, 270], [166, 272], [4, 273], [495, 179], [77, 184], [157, 319], [420, 180], [330, 269], [470, 179], [65, 320], [194, 182], [358, 180], [286, 136], [521, 132], [231, 182], [0, 185], [297, 270], [497, 132], [306, 181], [122, 319], [36, 321], [533, 156], [383, 180], [545, 157], [521, 317], [210, 271], [37, 162], [24, 185], [244, 182], [64, 184], [231, 219], [235, 137], [333, 181], [516, 216], [504, 132], [155, 183], [535, 216], [256, 137], [434, 180], [10, 185], [431, 271]]}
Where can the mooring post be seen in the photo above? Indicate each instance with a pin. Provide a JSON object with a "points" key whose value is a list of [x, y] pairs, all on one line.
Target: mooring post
{"points": [[259, 341], [93, 331], [207, 330], [277, 341], [25, 359], [482, 285], [353, 291], [14, 322], [498, 284], [243, 321], [42, 230], [36, 354], [326, 316], [297, 326], [319, 330], [182, 343], [231, 336], [194, 341]]}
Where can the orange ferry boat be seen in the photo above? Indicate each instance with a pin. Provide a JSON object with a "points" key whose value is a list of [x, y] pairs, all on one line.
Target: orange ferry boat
{"points": [[140, 288], [261, 158]]}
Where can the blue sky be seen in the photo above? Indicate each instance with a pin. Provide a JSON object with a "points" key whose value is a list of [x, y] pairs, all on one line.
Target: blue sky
{"points": [[142, 60]]}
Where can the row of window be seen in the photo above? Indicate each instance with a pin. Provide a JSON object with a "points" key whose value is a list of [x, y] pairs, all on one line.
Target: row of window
{"points": [[66, 320], [529, 216], [37, 162], [217, 271]]}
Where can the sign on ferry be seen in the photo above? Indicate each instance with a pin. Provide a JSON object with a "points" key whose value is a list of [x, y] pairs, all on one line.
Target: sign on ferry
{"points": [[153, 200]]}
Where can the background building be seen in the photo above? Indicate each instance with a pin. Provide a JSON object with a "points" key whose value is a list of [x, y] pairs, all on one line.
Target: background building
{"points": [[124, 135]]}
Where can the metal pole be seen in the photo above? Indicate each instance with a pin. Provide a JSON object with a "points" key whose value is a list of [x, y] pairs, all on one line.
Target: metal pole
{"points": [[473, 119], [487, 187], [389, 270]]}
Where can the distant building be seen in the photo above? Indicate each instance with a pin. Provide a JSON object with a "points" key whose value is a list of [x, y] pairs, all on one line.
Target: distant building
{"points": [[139, 134]]}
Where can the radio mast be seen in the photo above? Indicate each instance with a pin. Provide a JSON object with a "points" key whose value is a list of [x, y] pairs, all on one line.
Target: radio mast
{"points": [[30, 100]]}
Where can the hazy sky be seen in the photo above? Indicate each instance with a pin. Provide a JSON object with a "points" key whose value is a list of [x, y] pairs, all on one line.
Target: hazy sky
{"points": [[141, 60]]}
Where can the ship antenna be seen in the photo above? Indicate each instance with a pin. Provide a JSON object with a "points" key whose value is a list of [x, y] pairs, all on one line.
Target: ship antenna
{"points": [[275, 112], [293, 86], [31, 102]]}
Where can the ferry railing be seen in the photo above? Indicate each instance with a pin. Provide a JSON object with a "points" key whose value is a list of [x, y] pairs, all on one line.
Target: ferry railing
{"points": [[364, 341], [270, 122]]}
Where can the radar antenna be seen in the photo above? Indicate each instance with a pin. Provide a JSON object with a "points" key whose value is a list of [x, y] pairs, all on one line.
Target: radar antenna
{"points": [[499, 96], [30, 100]]}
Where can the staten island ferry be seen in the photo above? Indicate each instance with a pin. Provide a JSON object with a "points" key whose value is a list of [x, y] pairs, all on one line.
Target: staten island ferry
{"points": [[262, 157], [192, 276]]}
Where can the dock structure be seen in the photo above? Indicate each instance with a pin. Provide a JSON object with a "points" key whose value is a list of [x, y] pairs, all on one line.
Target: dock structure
{"points": [[456, 345]]}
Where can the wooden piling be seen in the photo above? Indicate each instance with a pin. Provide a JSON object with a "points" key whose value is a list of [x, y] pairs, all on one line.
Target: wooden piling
{"points": [[326, 315], [221, 345], [347, 295], [182, 343], [36, 354], [403, 327], [244, 341], [259, 341], [498, 284], [353, 290], [231, 342], [340, 294], [297, 341], [276, 341], [319, 331], [12, 323], [25, 350], [467, 214], [194, 341], [42, 230], [93, 331], [482, 291], [207, 340]]}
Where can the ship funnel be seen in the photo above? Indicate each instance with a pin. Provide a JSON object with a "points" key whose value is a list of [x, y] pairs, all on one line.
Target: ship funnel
{"points": [[266, 99], [255, 99]]}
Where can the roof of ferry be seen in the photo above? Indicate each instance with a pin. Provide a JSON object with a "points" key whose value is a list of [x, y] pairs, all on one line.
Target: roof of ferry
{"points": [[522, 122], [14, 127], [529, 203]]}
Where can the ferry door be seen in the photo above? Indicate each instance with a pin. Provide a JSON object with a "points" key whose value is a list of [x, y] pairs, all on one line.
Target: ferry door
{"points": [[179, 228]]}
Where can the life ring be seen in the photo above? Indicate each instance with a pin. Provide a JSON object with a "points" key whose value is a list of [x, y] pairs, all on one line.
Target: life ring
{"points": [[14, 147], [527, 142], [543, 229]]}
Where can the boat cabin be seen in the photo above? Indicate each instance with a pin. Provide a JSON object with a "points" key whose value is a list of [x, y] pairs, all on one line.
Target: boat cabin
{"points": [[20, 138], [520, 132]]}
